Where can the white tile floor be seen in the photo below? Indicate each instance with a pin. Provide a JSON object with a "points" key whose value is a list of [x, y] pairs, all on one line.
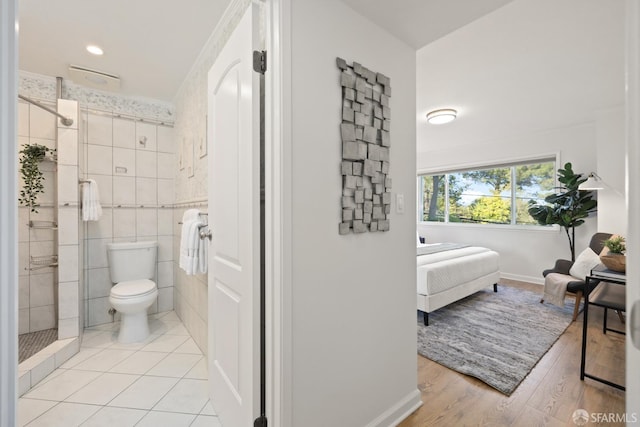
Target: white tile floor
{"points": [[161, 382]]}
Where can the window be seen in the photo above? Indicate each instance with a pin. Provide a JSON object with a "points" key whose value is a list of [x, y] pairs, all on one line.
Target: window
{"points": [[493, 195]]}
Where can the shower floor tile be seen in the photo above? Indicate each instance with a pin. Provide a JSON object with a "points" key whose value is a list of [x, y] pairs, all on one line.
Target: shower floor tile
{"points": [[31, 343], [162, 381]]}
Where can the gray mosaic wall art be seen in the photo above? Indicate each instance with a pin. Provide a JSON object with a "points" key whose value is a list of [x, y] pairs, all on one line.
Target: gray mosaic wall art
{"points": [[365, 132]]}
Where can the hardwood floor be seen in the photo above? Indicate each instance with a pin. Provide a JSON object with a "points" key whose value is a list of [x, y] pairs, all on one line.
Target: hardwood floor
{"points": [[548, 396]]}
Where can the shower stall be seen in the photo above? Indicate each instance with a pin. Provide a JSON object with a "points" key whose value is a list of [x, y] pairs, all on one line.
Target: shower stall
{"points": [[50, 237]]}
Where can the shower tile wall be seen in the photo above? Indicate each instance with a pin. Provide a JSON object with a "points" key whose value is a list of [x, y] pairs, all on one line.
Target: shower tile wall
{"points": [[69, 256], [133, 165], [37, 310]]}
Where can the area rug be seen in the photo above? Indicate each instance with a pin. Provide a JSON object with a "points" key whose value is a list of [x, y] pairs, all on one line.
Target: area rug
{"points": [[495, 337]]}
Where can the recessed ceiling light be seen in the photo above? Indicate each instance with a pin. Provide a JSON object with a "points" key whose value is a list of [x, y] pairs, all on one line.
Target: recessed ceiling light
{"points": [[442, 116], [95, 50]]}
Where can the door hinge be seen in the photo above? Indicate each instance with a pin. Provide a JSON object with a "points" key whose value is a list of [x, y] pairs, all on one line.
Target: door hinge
{"points": [[260, 61]]}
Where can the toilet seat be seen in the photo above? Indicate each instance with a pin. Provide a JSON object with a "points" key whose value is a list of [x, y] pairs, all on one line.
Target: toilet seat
{"points": [[133, 289]]}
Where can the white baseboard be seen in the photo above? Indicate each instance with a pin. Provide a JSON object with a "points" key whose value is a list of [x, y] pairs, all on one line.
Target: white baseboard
{"points": [[522, 278], [398, 412]]}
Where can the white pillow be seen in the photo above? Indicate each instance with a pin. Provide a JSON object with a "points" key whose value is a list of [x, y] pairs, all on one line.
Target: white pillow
{"points": [[584, 263]]}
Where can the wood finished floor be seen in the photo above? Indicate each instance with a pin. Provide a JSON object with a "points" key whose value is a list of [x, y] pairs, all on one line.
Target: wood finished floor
{"points": [[548, 396]]}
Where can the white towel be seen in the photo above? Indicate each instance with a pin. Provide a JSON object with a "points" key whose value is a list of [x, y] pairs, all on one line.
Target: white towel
{"points": [[91, 209], [194, 240], [193, 250], [189, 233], [555, 288]]}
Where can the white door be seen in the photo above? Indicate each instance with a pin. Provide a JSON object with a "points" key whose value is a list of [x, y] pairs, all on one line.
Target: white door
{"points": [[633, 205], [234, 209]]}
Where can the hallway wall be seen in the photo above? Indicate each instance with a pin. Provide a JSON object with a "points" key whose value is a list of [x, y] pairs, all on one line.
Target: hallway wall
{"points": [[353, 318]]}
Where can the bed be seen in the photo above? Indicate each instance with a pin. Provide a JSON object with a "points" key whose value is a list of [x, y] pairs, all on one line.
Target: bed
{"points": [[448, 272]]}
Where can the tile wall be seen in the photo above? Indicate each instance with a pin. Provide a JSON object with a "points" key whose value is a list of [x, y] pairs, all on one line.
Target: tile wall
{"points": [[190, 291], [192, 185], [49, 296], [37, 287], [133, 163], [70, 232]]}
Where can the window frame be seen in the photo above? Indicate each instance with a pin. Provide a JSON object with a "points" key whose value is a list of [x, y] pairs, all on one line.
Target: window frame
{"points": [[504, 163]]}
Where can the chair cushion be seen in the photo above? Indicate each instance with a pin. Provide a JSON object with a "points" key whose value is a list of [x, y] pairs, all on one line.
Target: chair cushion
{"points": [[581, 268], [575, 286]]}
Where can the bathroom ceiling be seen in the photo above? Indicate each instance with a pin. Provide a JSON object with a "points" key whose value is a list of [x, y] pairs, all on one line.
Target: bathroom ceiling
{"points": [[150, 44]]}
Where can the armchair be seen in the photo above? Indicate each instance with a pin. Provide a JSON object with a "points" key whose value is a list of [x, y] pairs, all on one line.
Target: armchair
{"points": [[563, 266]]}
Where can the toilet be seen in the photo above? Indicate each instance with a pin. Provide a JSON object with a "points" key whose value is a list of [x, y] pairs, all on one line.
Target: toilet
{"points": [[132, 265]]}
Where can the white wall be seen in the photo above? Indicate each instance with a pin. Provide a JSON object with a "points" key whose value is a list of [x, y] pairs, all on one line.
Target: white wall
{"points": [[611, 167], [353, 319], [528, 81], [524, 253]]}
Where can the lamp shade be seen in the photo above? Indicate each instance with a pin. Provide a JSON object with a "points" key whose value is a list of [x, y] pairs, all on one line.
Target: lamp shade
{"points": [[442, 116], [592, 183]]}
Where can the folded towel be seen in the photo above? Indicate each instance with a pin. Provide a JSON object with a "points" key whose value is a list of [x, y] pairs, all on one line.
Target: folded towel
{"points": [[194, 239], [188, 233], [193, 250], [555, 288], [91, 209]]}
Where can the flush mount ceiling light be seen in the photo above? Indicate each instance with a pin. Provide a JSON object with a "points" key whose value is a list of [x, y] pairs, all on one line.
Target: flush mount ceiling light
{"points": [[94, 50], [442, 116]]}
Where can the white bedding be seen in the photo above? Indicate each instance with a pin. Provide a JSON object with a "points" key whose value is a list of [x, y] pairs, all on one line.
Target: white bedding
{"points": [[445, 277]]}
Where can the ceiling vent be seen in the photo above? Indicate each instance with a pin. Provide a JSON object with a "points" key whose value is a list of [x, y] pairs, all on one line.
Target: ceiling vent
{"points": [[94, 78]]}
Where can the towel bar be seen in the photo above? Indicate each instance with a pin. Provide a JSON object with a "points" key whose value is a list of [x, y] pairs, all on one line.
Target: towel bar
{"points": [[199, 213]]}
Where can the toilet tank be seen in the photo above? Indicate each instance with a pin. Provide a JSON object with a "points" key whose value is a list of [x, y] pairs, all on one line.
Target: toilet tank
{"points": [[132, 260]]}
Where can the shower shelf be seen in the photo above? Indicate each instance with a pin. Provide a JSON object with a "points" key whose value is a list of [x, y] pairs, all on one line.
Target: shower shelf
{"points": [[52, 225], [40, 267], [43, 261]]}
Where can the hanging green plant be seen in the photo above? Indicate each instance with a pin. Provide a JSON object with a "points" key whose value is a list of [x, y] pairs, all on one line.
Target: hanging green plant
{"points": [[30, 157]]}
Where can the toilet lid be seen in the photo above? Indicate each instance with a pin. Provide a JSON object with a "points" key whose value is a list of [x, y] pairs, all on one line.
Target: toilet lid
{"points": [[133, 288]]}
